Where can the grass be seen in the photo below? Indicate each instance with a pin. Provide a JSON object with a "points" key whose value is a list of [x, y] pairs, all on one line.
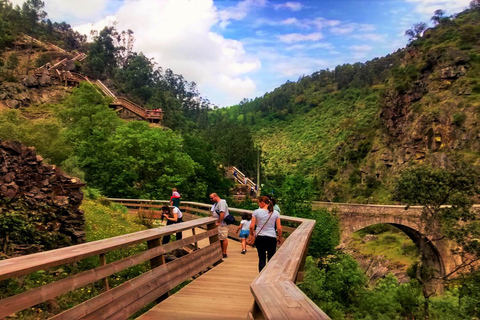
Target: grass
{"points": [[391, 243], [102, 220]]}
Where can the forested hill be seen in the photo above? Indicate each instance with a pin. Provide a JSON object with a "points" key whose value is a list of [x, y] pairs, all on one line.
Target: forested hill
{"points": [[75, 129], [353, 128]]}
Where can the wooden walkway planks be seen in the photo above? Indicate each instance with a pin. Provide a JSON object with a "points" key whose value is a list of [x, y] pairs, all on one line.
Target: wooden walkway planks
{"points": [[221, 293]]}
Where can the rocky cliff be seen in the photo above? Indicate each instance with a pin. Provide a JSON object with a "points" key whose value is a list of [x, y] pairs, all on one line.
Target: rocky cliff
{"points": [[39, 204]]}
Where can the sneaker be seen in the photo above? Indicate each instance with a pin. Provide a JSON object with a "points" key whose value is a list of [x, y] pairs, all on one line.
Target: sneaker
{"points": [[243, 251], [224, 255]]}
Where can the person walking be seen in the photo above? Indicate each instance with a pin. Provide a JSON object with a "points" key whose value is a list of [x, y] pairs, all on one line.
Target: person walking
{"points": [[220, 211], [173, 215], [265, 218], [244, 229]]}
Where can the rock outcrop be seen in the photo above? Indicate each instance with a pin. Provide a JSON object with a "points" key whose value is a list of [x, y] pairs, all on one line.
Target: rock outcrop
{"points": [[14, 95], [39, 203], [416, 123]]}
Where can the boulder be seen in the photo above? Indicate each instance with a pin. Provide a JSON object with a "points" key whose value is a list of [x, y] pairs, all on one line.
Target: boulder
{"points": [[30, 81], [45, 80], [13, 104], [70, 65]]}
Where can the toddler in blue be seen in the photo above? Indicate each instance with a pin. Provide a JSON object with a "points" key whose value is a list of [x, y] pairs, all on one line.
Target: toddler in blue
{"points": [[244, 229]]}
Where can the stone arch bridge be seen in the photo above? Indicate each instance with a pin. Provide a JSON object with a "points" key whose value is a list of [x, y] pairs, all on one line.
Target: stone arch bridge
{"points": [[354, 217]]}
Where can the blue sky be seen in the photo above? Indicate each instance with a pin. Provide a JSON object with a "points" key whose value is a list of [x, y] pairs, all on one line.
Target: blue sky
{"points": [[242, 49]]}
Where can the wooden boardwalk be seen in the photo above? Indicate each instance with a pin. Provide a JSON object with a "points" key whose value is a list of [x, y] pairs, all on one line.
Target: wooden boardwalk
{"points": [[221, 293]]}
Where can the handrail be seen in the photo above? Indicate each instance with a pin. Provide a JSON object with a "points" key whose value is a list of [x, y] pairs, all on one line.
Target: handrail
{"points": [[133, 107], [276, 295], [19, 266], [152, 284], [242, 176], [104, 88]]}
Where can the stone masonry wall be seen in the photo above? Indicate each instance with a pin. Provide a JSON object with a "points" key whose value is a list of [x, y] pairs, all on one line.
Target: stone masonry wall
{"points": [[39, 204]]}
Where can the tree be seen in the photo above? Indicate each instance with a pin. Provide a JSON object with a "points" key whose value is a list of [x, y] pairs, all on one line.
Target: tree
{"points": [[12, 63], [101, 60], [32, 11], [416, 31], [445, 195], [438, 17]]}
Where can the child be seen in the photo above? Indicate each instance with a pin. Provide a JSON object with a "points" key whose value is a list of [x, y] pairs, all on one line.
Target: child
{"points": [[175, 198], [244, 226]]}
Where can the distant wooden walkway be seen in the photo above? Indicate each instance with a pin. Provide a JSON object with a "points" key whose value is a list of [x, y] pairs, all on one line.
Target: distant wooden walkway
{"points": [[221, 293]]}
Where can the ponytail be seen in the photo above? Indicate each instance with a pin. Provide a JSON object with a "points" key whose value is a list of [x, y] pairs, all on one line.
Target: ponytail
{"points": [[267, 201]]}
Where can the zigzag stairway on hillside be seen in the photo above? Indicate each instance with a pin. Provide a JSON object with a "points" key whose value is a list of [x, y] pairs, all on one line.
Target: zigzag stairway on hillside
{"points": [[125, 108]]}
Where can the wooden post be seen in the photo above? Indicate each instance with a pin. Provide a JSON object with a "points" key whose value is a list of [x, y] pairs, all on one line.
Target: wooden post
{"points": [[213, 238], [255, 312], [196, 242], [301, 268], [103, 261], [155, 262]]}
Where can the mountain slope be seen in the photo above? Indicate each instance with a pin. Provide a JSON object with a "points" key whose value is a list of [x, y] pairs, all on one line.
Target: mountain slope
{"points": [[355, 127]]}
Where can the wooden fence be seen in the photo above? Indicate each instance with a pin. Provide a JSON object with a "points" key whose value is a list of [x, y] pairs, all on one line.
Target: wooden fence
{"points": [[129, 297]]}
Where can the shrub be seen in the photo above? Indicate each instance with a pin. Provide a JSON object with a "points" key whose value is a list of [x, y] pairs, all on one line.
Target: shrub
{"points": [[43, 59], [459, 119]]}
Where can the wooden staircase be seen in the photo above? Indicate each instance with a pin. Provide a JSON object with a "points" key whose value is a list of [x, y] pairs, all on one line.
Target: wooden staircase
{"points": [[125, 108]]}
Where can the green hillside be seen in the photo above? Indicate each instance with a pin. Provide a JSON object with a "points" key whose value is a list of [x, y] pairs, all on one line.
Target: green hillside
{"points": [[353, 128]]}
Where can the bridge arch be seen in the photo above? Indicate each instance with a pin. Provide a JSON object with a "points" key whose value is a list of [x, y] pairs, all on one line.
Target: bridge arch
{"points": [[432, 258], [354, 217]]}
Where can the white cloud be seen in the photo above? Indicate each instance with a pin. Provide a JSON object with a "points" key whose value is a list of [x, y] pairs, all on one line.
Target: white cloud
{"points": [[320, 45], [318, 23], [343, 29], [323, 23], [298, 65], [295, 22], [177, 33], [428, 7], [366, 27], [369, 37], [294, 6], [96, 26], [360, 51], [71, 11], [298, 37], [238, 12], [350, 27], [362, 48]]}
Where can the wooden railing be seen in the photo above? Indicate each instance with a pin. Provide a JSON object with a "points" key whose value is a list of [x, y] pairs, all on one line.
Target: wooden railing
{"points": [[129, 297], [276, 295], [133, 107], [46, 45], [274, 290], [104, 89]]}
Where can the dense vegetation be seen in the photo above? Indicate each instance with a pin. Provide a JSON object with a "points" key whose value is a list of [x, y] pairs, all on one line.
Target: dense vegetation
{"points": [[346, 128]]}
